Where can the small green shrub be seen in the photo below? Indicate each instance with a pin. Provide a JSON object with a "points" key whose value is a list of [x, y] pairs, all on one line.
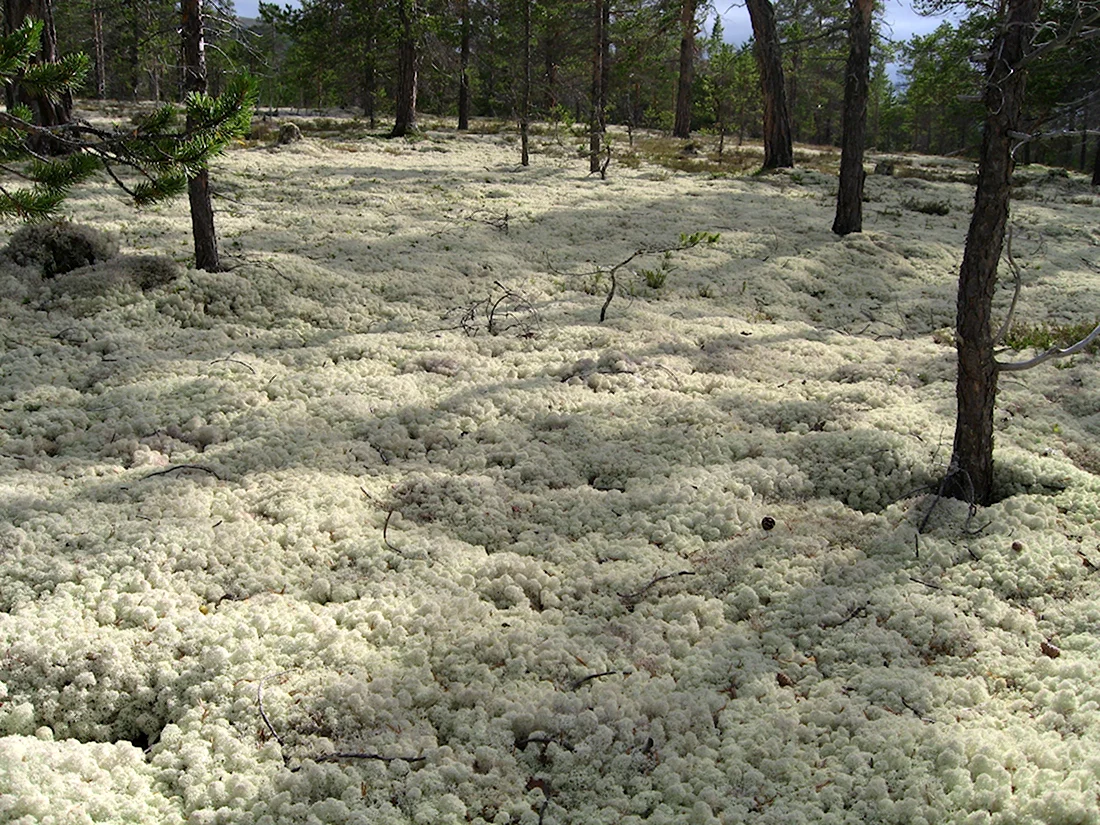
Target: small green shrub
{"points": [[927, 207], [656, 277], [1045, 336]]}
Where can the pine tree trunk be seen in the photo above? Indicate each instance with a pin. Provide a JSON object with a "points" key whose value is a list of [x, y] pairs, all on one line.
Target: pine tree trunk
{"points": [[525, 103], [198, 187], [370, 87], [134, 50], [976, 386], [407, 59], [464, 70], [1096, 165], [682, 125], [778, 151], [100, 54], [550, 70], [849, 204], [596, 120]]}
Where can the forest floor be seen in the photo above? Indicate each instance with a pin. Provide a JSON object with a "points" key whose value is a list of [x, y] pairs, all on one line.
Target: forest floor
{"points": [[384, 526]]}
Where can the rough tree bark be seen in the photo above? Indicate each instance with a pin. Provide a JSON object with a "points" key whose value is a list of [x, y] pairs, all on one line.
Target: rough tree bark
{"points": [[849, 201], [198, 187], [778, 151], [682, 125], [971, 472], [407, 68]]}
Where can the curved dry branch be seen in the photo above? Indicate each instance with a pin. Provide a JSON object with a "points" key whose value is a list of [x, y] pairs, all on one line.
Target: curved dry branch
{"points": [[1012, 265], [1051, 354]]}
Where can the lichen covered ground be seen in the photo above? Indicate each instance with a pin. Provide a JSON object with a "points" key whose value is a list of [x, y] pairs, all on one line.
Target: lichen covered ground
{"points": [[383, 526]]}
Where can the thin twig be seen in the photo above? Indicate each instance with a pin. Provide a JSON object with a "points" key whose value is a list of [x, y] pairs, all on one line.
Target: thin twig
{"points": [[385, 530], [577, 685], [634, 598], [332, 757], [858, 610], [235, 361], [260, 705], [1014, 267], [926, 584], [186, 467], [610, 295]]}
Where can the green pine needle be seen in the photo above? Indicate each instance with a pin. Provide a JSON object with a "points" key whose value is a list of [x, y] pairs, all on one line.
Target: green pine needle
{"points": [[51, 79], [17, 48], [158, 189], [30, 204], [63, 173]]}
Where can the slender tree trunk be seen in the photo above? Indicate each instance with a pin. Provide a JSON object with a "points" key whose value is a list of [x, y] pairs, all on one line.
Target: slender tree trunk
{"points": [[596, 123], [134, 49], [464, 69], [370, 86], [976, 388], [682, 125], [100, 55], [198, 187], [1096, 165], [778, 151], [550, 70], [1084, 138], [407, 60], [849, 204], [525, 103]]}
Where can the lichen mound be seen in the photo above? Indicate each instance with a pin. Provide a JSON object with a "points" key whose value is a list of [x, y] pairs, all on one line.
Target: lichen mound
{"points": [[289, 133], [58, 247]]}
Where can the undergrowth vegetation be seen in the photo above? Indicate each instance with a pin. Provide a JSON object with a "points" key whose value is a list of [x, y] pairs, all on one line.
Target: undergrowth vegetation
{"points": [[385, 524]]}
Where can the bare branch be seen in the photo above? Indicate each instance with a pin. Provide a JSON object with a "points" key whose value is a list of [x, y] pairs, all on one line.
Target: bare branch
{"points": [[1012, 265], [631, 599], [335, 757], [199, 467], [586, 679], [260, 705]]}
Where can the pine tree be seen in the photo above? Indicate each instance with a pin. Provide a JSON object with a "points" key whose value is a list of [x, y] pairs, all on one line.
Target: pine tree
{"points": [[150, 161]]}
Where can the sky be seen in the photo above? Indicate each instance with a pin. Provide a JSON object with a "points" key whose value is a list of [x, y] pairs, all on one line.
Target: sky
{"points": [[902, 20]]}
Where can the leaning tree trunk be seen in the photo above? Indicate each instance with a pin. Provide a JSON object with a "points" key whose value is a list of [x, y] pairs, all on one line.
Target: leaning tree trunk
{"points": [[849, 201], [971, 473], [682, 126], [778, 151], [198, 187], [407, 60]]}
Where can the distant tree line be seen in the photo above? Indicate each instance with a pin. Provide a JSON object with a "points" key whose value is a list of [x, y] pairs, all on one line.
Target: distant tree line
{"points": [[668, 66]]}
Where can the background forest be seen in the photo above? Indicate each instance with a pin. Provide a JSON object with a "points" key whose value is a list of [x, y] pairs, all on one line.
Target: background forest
{"points": [[470, 55]]}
